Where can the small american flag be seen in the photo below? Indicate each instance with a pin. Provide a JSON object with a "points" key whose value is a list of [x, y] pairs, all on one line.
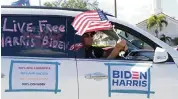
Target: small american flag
{"points": [[89, 21]]}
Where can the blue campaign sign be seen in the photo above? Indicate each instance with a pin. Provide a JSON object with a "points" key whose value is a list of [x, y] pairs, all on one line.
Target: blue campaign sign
{"points": [[33, 76], [129, 78]]}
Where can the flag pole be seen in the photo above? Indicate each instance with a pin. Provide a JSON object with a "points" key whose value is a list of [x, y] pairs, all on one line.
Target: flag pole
{"points": [[115, 8]]}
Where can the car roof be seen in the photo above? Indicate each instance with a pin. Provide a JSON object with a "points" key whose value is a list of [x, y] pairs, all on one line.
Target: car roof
{"points": [[55, 8]]}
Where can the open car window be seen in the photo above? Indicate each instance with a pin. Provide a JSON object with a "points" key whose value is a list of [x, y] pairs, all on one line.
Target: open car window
{"points": [[137, 48], [140, 48]]}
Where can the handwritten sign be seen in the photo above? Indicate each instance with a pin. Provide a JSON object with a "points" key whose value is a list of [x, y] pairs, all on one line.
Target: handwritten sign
{"points": [[33, 76], [50, 35], [129, 78], [39, 36]]}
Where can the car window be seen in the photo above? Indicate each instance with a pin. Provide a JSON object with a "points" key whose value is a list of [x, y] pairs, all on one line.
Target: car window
{"points": [[145, 45], [135, 52], [36, 36], [140, 48]]}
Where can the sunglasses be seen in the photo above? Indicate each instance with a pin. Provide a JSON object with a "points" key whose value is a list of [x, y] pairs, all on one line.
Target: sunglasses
{"points": [[86, 35]]}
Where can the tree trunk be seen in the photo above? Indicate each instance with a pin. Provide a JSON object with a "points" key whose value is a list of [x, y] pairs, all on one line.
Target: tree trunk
{"points": [[156, 32]]}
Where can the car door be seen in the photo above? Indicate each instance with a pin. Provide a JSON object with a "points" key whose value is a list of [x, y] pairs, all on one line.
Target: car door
{"points": [[134, 77], [36, 59]]}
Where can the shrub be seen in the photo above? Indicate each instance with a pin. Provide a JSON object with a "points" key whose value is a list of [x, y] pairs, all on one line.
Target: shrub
{"points": [[175, 40]]}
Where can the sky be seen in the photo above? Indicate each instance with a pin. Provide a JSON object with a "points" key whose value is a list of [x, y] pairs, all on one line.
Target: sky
{"points": [[132, 11]]}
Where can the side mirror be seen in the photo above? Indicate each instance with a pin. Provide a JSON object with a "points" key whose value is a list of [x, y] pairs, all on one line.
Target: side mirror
{"points": [[160, 55]]}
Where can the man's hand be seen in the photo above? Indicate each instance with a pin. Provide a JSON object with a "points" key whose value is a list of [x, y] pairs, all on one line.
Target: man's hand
{"points": [[122, 45]]}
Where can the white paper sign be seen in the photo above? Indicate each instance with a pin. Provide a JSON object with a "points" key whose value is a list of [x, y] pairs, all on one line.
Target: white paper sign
{"points": [[33, 76]]}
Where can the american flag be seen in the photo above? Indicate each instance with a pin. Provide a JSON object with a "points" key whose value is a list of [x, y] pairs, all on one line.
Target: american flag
{"points": [[135, 75], [88, 21]]}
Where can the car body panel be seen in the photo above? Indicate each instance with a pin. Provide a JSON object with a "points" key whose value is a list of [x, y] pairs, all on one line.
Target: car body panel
{"points": [[67, 79], [164, 82]]}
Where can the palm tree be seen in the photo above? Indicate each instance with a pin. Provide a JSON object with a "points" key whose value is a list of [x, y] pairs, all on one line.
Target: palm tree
{"points": [[165, 38], [157, 21]]}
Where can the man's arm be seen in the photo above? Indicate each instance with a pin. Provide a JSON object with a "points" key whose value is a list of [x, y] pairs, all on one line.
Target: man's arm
{"points": [[114, 53], [120, 46]]}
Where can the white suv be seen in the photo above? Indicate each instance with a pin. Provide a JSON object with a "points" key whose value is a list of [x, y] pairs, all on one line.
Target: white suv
{"points": [[39, 61]]}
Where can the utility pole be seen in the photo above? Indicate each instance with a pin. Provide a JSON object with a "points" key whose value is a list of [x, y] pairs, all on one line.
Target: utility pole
{"points": [[39, 2], [115, 8]]}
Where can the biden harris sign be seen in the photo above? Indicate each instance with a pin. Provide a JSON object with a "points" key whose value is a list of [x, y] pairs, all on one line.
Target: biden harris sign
{"points": [[129, 78]]}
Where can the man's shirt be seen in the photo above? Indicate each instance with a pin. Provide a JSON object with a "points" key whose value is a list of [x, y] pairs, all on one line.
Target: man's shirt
{"points": [[94, 52]]}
